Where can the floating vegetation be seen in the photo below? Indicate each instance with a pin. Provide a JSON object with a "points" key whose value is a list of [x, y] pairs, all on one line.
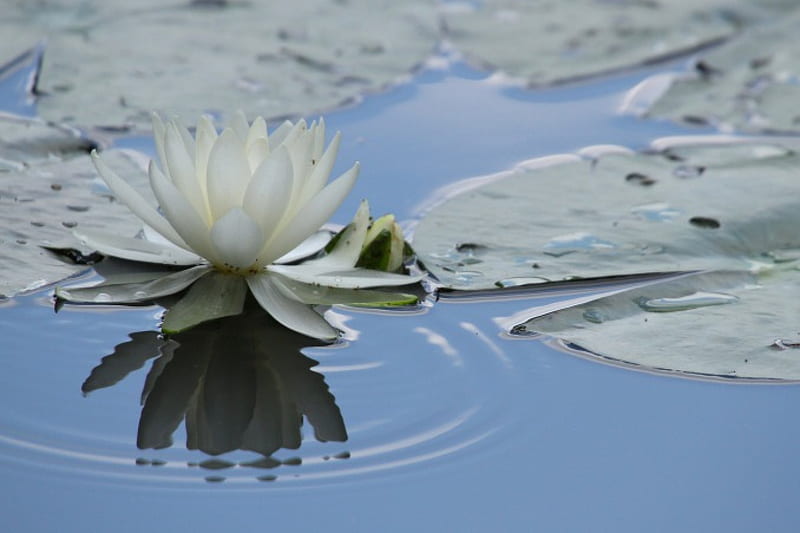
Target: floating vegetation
{"points": [[274, 59], [744, 204], [751, 83]]}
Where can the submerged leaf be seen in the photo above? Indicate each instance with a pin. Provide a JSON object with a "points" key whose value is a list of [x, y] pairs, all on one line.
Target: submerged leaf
{"points": [[686, 207]]}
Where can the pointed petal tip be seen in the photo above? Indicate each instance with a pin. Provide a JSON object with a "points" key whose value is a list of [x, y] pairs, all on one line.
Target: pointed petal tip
{"points": [[157, 121]]}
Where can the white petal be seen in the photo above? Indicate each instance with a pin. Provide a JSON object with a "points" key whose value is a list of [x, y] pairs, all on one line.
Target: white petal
{"points": [[133, 249], [120, 293], [181, 215], [239, 125], [280, 133], [294, 315], [268, 194], [294, 133], [321, 170], [258, 130], [257, 152], [319, 140], [140, 207], [300, 152], [158, 135], [310, 217], [312, 245], [186, 137], [345, 254], [182, 171], [237, 238], [357, 278], [205, 136], [228, 173]]}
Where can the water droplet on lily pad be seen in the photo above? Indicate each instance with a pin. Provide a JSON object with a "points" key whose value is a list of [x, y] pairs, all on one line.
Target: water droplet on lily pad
{"points": [[683, 303], [575, 242], [786, 344], [467, 275], [520, 281], [640, 179], [704, 222], [784, 256], [595, 316], [657, 212], [689, 171]]}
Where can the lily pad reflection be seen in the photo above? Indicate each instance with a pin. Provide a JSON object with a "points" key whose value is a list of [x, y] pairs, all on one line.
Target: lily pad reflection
{"points": [[236, 383]]}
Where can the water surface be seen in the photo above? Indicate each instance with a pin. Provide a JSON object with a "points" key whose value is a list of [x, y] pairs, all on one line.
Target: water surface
{"points": [[452, 425]]}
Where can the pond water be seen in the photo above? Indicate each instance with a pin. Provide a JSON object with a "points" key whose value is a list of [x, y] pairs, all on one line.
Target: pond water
{"points": [[451, 424]]}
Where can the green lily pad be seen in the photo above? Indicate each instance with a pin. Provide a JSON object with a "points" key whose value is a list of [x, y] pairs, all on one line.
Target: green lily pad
{"points": [[726, 325], [47, 190], [548, 42], [268, 58], [712, 206], [751, 83]]}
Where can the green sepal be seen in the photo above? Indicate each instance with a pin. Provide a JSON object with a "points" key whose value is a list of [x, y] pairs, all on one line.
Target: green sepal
{"points": [[376, 254], [213, 296], [322, 295]]}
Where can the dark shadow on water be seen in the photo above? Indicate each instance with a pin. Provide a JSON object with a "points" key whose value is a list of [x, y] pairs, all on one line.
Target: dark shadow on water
{"points": [[239, 383]]}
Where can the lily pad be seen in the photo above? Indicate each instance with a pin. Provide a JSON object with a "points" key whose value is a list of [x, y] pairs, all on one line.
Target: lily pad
{"points": [[726, 325], [47, 190], [751, 83], [549, 42], [684, 207], [24, 143], [268, 58]]}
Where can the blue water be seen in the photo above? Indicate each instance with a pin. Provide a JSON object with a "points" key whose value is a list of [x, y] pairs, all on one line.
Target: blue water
{"points": [[452, 425]]}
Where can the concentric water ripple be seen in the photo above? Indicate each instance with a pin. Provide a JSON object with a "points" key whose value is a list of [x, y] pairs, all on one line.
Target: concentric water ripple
{"points": [[414, 390]]}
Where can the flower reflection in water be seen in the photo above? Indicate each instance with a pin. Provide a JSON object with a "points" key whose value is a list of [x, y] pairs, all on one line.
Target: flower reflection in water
{"points": [[239, 383]]}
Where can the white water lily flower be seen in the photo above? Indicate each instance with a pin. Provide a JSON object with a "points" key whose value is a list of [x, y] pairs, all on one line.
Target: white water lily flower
{"points": [[238, 204]]}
